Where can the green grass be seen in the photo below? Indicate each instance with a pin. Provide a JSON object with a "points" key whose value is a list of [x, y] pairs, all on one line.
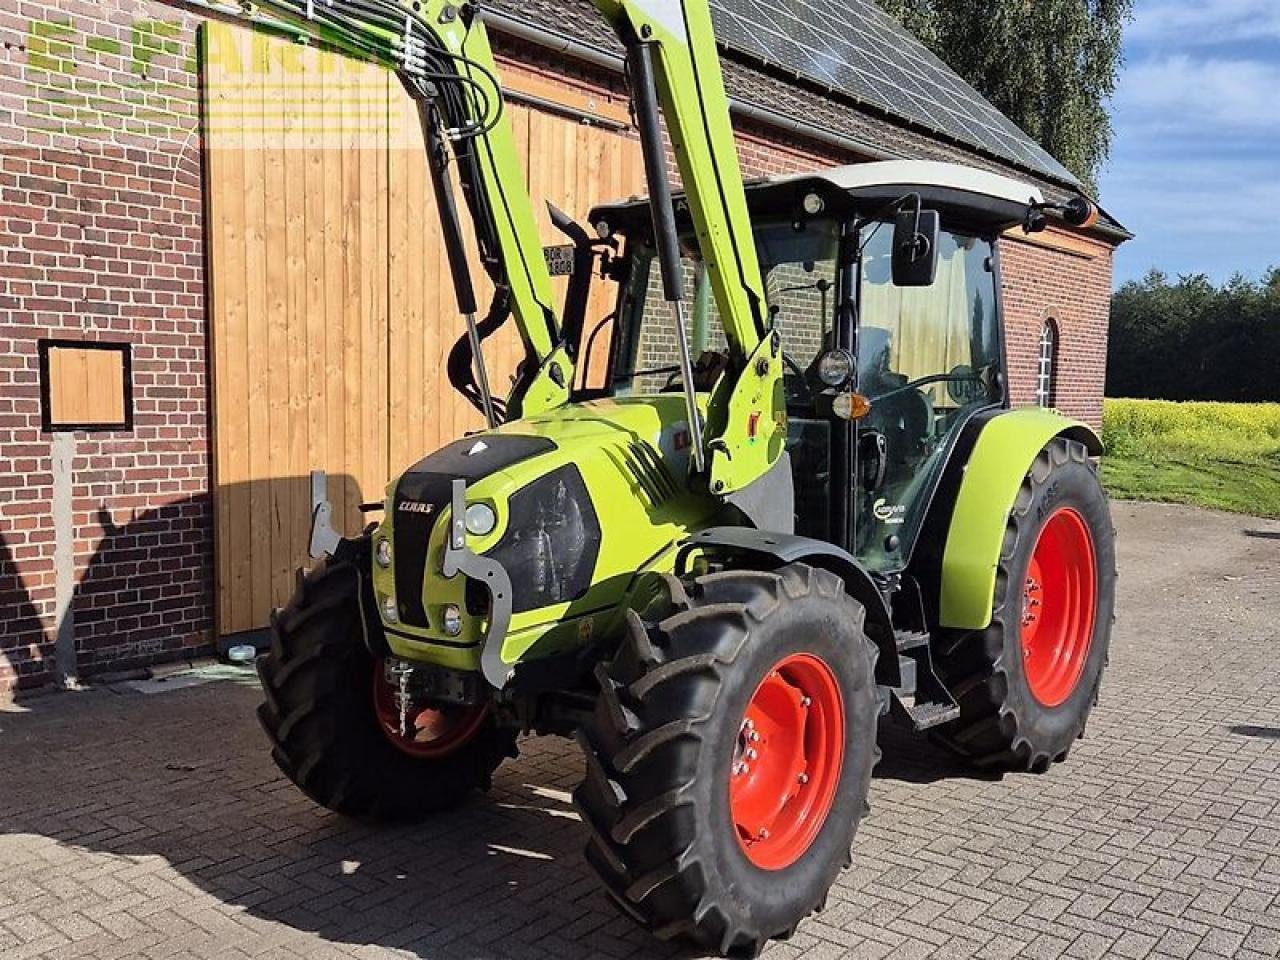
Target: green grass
{"points": [[1222, 455]]}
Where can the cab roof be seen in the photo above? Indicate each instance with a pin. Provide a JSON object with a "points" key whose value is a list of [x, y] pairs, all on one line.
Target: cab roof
{"points": [[963, 194]]}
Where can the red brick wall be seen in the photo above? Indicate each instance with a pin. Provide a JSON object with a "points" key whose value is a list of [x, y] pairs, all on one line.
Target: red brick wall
{"points": [[101, 239], [1074, 290]]}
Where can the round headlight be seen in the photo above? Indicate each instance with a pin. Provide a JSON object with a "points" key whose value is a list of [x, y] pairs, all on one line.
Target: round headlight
{"points": [[389, 611], [813, 204], [382, 552], [451, 619], [603, 229], [480, 519], [835, 368]]}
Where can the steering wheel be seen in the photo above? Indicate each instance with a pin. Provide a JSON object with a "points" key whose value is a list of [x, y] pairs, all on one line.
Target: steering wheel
{"points": [[955, 376]]}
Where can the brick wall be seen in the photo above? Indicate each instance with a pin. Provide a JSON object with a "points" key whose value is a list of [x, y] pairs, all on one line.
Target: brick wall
{"points": [[1071, 287], [101, 239]]}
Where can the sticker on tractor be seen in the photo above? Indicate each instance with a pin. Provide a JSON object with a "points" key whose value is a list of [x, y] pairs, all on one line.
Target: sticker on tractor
{"points": [[560, 259], [414, 506], [889, 512], [674, 443]]}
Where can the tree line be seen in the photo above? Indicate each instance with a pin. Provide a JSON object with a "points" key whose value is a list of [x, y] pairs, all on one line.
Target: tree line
{"points": [[1187, 339]]}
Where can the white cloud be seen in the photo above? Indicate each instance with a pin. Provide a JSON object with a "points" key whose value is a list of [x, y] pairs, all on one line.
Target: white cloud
{"points": [[1180, 92], [1195, 169], [1187, 23]]}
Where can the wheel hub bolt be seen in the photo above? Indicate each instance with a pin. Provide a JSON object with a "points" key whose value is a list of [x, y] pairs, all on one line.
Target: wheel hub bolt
{"points": [[751, 755], [764, 834], [805, 701], [803, 778], [754, 735]]}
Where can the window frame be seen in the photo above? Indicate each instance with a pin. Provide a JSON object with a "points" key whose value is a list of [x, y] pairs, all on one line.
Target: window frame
{"points": [[47, 423], [1047, 366]]}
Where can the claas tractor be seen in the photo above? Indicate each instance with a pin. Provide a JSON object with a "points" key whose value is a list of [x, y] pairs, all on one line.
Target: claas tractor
{"points": [[791, 498]]}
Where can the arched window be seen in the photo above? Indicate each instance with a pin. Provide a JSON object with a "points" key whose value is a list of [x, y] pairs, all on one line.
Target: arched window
{"points": [[1048, 365]]}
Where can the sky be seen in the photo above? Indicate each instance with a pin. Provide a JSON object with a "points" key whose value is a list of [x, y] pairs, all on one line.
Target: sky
{"points": [[1195, 163]]}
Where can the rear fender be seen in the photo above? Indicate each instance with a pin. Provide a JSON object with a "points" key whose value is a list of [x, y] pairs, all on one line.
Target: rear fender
{"points": [[1003, 453], [763, 549]]}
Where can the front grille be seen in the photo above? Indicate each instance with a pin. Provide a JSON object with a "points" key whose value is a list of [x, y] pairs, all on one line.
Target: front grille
{"points": [[426, 489], [418, 501]]}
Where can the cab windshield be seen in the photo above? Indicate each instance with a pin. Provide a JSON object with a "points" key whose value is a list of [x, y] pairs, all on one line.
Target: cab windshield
{"points": [[798, 265]]}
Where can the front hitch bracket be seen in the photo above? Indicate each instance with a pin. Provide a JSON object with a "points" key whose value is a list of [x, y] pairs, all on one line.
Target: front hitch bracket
{"points": [[490, 574]]}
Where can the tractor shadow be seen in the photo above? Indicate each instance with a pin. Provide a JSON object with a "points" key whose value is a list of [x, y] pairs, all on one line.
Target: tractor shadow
{"points": [[21, 627], [147, 593], [910, 757], [185, 777]]}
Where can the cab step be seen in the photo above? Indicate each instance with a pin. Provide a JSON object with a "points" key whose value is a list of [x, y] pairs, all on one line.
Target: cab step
{"points": [[921, 699], [910, 639], [924, 714]]}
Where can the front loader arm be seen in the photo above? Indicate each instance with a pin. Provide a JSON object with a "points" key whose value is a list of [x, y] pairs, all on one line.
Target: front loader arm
{"points": [[671, 44], [440, 50]]}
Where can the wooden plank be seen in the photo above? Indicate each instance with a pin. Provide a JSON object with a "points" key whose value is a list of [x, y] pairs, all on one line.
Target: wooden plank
{"points": [[256, 256], [315, 189], [399, 350], [376, 199], [351, 290], [297, 464], [337, 463], [104, 386], [273, 451], [233, 398], [434, 304]]}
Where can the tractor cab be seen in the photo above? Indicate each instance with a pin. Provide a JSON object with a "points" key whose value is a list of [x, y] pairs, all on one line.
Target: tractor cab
{"points": [[882, 282]]}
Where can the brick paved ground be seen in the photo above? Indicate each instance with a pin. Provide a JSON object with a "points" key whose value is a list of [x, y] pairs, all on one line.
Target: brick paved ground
{"points": [[155, 826]]}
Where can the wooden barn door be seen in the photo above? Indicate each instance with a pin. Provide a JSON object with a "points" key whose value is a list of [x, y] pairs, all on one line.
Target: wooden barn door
{"points": [[330, 309]]}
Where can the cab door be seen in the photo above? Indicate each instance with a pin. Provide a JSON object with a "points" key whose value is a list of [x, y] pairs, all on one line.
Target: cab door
{"points": [[928, 358]]}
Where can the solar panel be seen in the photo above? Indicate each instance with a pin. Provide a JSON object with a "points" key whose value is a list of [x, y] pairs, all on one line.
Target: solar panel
{"points": [[850, 47], [853, 47]]}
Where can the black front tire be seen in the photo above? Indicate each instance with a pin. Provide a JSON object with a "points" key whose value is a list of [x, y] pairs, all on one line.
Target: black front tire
{"points": [[1002, 725], [661, 748], [319, 712]]}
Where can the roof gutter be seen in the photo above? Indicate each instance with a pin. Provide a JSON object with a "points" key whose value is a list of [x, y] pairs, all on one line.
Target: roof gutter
{"points": [[613, 62]]}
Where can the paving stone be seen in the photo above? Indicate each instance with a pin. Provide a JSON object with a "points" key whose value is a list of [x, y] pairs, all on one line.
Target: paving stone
{"points": [[157, 828]]}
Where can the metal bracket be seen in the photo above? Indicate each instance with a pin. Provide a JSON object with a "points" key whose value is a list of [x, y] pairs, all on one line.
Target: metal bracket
{"points": [[492, 576], [769, 501], [324, 538]]}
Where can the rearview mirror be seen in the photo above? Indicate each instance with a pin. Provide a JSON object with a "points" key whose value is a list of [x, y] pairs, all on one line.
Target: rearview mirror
{"points": [[915, 247]]}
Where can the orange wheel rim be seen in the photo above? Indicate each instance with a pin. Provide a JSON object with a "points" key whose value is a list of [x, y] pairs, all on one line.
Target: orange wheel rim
{"points": [[429, 732], [1059, 598], [787, 760]]}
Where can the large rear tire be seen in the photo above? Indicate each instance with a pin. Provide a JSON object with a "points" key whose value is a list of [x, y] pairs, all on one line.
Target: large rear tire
{"points": [[1027, 683], [325, 712], [730, 755]]}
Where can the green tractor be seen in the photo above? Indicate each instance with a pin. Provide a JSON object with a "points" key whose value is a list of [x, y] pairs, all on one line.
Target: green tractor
{"points": [[721, 659], [795, 500]]}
